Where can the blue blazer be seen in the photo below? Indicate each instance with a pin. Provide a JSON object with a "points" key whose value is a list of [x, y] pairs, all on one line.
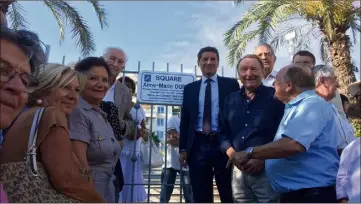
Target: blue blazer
{"points": [[189, 114]]}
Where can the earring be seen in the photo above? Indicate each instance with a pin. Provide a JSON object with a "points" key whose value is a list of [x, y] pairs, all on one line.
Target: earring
{"points": [[39, 101]]}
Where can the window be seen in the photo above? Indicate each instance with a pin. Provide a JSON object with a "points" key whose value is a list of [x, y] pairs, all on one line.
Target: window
{"points": [[160, 134], [160, 109], [160, 121]]}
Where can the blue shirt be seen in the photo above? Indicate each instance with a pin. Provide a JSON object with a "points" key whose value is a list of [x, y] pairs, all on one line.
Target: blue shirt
{"points": [[309, 120], [249, 123], [215, 103]]}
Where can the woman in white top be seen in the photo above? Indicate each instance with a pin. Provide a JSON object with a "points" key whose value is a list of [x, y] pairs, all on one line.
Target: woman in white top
{"points": [[133, 170]]}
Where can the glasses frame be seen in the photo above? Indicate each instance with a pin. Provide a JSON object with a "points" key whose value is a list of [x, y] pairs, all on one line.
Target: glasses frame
{"points": [[23, 77]]}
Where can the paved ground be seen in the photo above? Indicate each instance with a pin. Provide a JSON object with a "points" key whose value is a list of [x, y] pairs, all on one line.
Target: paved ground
{"points": [[155, 187]]}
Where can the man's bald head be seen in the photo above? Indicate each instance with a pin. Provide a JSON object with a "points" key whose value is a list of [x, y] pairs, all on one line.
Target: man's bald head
{"points": [[292, 80], [116, 59]]}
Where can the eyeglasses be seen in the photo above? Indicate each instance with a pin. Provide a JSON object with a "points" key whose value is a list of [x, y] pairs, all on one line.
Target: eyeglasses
{"points": [[8, 72]]}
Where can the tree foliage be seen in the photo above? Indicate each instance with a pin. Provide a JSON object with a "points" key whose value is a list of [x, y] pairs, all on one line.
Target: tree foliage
{"points": [[324, 20], [65, 15]]}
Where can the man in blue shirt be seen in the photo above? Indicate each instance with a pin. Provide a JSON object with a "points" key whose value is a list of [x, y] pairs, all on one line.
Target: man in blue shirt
{"points": [[302, 161], [250, 118]]}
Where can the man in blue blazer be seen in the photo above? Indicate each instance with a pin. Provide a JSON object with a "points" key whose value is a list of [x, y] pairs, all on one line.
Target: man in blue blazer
{"points": [[199, 146]]}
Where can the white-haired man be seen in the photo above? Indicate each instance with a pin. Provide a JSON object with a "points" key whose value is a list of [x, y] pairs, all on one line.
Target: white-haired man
{"points": [[267, 54], [121, 96], [326, 87]]}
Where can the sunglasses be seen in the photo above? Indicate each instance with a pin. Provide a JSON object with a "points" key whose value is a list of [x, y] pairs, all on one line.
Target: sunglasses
{"points": [[8, 72]]}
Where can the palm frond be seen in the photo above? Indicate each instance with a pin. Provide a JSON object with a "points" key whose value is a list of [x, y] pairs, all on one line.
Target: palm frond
{"points": [[79, 28], [303, 40], [279, 39], [354, 66], [57, 14], [16, 17], [236, 50], [101, 13], [238, 2], [355, 28], [268, 14]]}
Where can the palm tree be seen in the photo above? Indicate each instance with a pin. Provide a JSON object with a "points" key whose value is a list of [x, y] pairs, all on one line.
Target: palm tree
{"points": [[326, 20], [64, 13]]}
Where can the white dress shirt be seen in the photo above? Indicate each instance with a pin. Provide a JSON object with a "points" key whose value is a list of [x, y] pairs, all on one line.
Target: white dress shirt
{"points": [[338, 103], [173, 152], [346, 132], [270, 79], [110, 94], [214, 101], [348, 176]]}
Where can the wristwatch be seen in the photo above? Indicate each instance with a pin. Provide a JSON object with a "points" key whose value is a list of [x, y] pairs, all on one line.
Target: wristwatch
{"points": [[249, 151]]}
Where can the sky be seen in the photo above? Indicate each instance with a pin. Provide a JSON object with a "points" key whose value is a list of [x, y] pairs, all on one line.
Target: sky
{"points": [[154, 31]]}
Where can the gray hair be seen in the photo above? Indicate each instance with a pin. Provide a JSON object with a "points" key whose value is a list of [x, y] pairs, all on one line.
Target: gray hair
{"points": [[29, 43], [320, 71], [269, 47], [108, 49], [54, 76], [301, 77]]}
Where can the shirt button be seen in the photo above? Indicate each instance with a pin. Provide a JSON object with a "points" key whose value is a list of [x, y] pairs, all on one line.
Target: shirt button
{"points": [[112, 139], [114, 154], [247, 111], [242, 137], [246, 125]]}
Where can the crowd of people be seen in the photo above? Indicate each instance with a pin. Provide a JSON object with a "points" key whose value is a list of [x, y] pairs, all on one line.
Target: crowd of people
{"points": [[278, 138], [73, 134]]}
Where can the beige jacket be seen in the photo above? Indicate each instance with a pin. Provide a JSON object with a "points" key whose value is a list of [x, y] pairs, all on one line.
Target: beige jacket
{"points": [[123, 101]]}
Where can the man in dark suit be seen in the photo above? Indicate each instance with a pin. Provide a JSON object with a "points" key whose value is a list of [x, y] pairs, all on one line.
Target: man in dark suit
{"points": [[199, 146]]}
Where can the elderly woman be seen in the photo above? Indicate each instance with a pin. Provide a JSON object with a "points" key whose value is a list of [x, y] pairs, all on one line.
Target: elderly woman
{"points": [[59, 178], [20, 55], [92, 136]]}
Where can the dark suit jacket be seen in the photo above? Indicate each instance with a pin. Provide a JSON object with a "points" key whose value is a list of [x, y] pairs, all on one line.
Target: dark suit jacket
{"points": [[189, 115]]}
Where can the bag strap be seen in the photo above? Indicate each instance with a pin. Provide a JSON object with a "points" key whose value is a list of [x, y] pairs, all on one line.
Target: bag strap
{"points": [[30, 155]]}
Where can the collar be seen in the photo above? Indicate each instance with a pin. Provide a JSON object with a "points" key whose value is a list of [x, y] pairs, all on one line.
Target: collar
{"points": [[86, 106], [112, 87], [300, 97], [258, 90], [272, 74], [214, 78]]}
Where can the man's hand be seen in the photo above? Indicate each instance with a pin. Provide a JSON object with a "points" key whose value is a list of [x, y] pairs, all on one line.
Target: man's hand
{"points": [[183, 159], [253, 166], [239, 159]]}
